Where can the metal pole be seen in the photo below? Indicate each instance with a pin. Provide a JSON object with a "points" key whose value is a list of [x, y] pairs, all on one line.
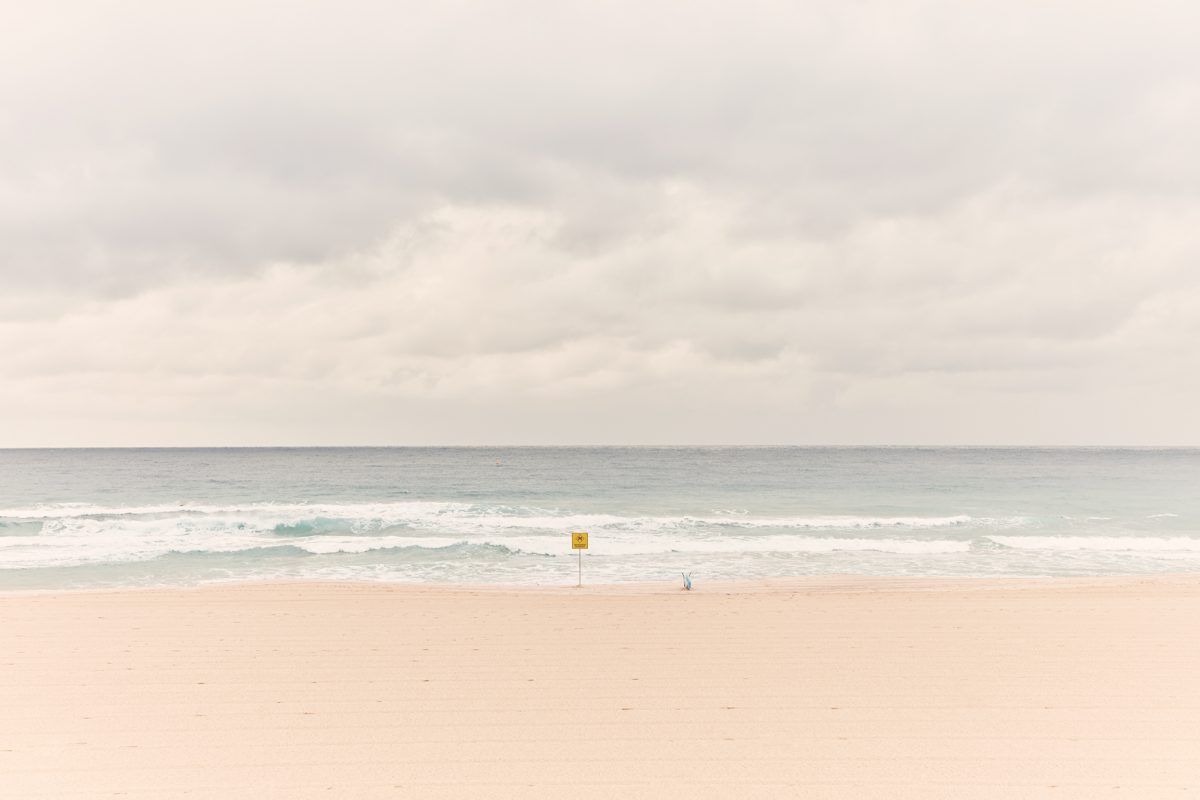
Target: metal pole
{"points": [[580, 584]]}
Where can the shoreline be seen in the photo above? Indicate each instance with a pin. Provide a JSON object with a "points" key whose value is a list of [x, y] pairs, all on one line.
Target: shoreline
{"points": [[833, 583], [827, 688]]}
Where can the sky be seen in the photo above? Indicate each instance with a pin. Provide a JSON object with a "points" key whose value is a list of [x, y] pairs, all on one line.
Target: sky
{"points": [[637, 222]]}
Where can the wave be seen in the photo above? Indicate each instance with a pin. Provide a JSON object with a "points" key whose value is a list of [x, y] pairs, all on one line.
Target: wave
{"points": [[543, 547], [79, 534], [560, 546], [33, 552], [1173, 544], [303, 518], [103, 545], [347, 510]]}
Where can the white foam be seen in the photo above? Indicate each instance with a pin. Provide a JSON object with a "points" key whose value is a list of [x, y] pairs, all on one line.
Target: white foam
{"points": [[795, 544], [559, 545], [77, 534], [1175, 544], [427, 513], [351, 544], [282, 510]]}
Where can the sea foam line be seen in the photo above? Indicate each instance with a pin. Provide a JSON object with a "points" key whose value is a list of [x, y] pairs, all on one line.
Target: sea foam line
{"points": [[369, 517], [1174, 544]]}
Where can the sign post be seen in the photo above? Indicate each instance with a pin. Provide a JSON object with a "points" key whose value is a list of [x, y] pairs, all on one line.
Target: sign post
{"points": [[579, 541]]}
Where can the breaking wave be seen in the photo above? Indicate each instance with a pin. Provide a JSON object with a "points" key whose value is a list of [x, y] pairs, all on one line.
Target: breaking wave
{"points": [[516, 541], [1146, 544]]}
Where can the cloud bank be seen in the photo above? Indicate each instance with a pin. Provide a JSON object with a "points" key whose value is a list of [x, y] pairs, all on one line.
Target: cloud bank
{"points": [[616, 223]]}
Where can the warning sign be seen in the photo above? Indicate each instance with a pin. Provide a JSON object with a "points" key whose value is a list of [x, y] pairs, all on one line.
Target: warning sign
{"points": [[579, 540]]}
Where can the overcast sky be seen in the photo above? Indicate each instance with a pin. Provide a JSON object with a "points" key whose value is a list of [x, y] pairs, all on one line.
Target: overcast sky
{"points": [[550, 223]]}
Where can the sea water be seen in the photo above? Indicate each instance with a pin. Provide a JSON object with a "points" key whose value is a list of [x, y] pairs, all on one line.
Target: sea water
{"points": [[153, 517]]}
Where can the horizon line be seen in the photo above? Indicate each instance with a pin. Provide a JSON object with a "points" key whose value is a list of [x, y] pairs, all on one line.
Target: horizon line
{"points": [[613, 446]]}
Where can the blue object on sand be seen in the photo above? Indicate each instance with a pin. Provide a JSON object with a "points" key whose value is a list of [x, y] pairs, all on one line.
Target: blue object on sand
{"points": [[687, 580]]}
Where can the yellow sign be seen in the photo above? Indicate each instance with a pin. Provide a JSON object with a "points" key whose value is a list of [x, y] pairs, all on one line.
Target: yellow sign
{"points": [[579, 540]]}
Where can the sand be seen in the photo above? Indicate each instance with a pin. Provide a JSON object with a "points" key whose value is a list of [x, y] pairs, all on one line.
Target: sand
{"points": [[824, 688]]}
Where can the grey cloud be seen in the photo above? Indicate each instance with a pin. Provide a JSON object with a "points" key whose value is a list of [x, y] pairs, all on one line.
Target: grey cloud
{"points": [[219, 140], [821, 211]]}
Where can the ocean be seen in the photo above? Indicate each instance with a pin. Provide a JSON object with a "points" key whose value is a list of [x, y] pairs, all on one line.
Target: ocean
{"points": [[174, 517]]}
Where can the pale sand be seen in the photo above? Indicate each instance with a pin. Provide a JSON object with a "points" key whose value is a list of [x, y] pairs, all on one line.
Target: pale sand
{"points": [[834, 688]]}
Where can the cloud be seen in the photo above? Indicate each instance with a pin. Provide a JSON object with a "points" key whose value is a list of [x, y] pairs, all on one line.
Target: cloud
{"points": [[564, 223]]}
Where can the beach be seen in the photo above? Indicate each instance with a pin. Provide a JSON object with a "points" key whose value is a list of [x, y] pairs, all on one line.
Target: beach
{"points": [[816, 687]]}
